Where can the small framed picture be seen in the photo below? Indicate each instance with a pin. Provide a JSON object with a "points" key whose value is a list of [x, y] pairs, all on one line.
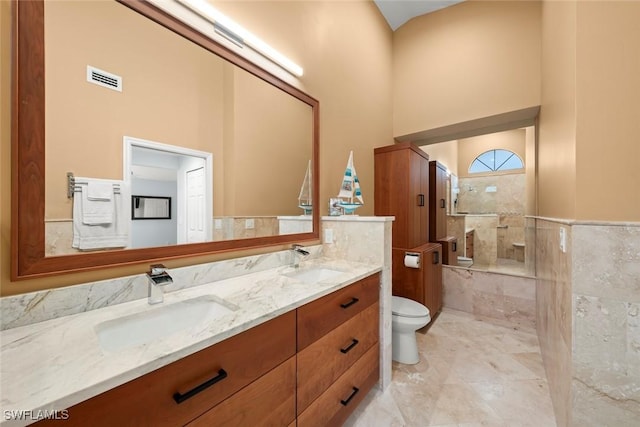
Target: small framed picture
{"points": [[150, 207]]}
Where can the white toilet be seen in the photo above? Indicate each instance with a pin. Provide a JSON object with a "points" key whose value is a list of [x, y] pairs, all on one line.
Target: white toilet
{"points": [[407, 316], [463, 261]]}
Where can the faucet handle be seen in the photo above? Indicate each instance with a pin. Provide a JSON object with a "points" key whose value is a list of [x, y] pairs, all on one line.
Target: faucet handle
{"points": [[157, 269]]}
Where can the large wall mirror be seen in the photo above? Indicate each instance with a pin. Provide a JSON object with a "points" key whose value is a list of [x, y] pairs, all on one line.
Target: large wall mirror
{"points": [[120, 95]]}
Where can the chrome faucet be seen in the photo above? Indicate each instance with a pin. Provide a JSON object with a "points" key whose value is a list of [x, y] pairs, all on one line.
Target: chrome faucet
{"points": [[158, 277], [295, 250]]}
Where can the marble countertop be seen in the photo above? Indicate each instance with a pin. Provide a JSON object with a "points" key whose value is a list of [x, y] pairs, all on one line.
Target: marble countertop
{"points": [[58, 363]]}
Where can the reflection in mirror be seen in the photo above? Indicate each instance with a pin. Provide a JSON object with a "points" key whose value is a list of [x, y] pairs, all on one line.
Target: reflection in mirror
{"points": [[159, 80], [145, 81]]}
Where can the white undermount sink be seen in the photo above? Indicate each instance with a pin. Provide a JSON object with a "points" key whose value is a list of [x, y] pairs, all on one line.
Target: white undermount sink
{"points": [[158, 322], [314, 274]]}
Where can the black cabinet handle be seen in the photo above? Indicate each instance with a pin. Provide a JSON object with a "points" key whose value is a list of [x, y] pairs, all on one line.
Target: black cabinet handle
{"points": [[442, 203], [179, 398], [353, 393], [354, 342], [455, 246], [350, 303], [420, 199], [436, 257]]}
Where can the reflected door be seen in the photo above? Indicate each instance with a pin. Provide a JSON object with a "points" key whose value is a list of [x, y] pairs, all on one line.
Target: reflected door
{"points": [[196, 231]]}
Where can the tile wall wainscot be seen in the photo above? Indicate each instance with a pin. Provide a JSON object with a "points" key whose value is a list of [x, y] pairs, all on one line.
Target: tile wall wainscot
{"points": [[588, 320], [355, 238], [554, 313], [59, 233], [510, 299]]}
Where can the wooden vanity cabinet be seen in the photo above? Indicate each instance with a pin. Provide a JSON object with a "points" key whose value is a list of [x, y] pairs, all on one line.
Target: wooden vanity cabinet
{"points": [[339, 363], [402, 190], [313, 359], [149, 400]]}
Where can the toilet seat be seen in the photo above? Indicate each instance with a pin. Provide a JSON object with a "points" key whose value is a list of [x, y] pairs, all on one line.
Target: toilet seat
{"points": [[404, 307]]}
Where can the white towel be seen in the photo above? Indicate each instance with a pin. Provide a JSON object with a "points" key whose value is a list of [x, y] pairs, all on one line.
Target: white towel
{"points": [[103, 236], [97, 200], [99, 190]]}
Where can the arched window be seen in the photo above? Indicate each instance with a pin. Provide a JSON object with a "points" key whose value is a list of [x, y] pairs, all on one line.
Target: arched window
{"points": [[496, 160]]}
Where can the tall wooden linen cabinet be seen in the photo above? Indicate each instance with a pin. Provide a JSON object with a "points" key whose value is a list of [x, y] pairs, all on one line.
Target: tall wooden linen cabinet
{"points": [[402, 190], [438, 213]]}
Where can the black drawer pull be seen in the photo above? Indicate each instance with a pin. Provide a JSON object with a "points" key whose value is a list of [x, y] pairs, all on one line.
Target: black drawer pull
{"points": [[179, 398], [350, 303], [354, 342], [355, 391], [455, 246], [420, 199], [436, 257]]}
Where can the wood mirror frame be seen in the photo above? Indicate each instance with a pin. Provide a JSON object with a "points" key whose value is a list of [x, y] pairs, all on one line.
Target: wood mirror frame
{"points": [[28, 258]]}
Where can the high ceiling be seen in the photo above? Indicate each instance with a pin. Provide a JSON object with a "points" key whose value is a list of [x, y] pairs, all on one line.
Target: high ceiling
{"points": [[397, 12]]}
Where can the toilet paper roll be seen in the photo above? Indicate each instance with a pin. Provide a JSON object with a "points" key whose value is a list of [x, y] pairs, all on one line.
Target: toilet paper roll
{"points": [[412, 261]]}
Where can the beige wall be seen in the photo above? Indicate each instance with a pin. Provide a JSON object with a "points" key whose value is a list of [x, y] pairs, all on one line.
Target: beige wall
{"points": [[444, 152], [465, 62], [173, 93], [557, 122], [587, 148], [348, 71], [607, 106]]}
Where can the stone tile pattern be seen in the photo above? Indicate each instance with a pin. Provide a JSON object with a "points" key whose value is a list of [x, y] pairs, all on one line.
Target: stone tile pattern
{"points": [[485, 238], [588, 306], [606, 325], [473, 371], [509, 197], [503, 297], [59, 234], [554, 313]]}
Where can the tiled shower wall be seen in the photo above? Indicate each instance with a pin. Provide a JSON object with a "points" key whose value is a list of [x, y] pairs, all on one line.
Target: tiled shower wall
{"points": [[588, 320]]}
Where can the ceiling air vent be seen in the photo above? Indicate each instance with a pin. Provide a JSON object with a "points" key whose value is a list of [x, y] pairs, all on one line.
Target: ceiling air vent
{"points": [[104, 79]]}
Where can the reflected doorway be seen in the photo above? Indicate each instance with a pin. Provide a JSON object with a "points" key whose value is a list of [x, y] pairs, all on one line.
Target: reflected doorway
{"points": [[155, 169]]}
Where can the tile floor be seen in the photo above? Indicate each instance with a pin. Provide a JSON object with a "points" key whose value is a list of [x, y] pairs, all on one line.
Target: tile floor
{"points": [[473, 372]]}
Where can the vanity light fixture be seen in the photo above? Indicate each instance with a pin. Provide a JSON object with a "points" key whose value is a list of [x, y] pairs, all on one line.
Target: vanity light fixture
{"points": [[207, 11]]}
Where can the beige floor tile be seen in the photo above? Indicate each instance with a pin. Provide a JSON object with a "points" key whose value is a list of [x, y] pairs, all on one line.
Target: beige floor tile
{"points": [[473, 372]]}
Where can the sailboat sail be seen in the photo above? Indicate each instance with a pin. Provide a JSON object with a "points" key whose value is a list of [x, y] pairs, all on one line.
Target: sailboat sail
{"points": [[304, 198], [350, 188]]}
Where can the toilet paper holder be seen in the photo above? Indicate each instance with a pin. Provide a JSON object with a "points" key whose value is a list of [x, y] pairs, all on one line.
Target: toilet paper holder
{"points": [[412, 259]]}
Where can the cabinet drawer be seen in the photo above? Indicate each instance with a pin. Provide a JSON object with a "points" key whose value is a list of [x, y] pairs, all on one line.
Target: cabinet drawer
{"points": [[337, 350], [268, 401], [149, 401], [321, 316], [335, 405]]}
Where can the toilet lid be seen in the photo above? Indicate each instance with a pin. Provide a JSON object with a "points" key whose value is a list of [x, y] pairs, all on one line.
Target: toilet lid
{"points": [[407, 308]]}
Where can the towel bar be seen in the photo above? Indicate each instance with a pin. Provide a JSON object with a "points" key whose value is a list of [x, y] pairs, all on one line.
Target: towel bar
{"points": [[73, 187]]}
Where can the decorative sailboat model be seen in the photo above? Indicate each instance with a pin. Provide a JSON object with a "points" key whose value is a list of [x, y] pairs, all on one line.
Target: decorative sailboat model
{"points": [[305, 201], [350, 194]]}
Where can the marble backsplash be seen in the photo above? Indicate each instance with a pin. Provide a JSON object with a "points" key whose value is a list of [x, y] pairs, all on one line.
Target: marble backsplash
{"points": [[32, 307]]}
